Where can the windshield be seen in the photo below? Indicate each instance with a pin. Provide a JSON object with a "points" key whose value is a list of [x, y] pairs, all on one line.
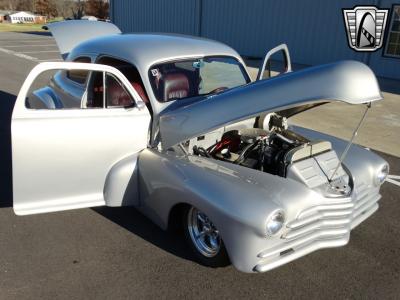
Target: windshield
{"points": [[189, 78]]}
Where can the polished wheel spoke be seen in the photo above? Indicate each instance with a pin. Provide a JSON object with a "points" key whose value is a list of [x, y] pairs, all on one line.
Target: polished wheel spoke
{"points": [[203, 233], [200, 235], [214, 242], [201, 218]]}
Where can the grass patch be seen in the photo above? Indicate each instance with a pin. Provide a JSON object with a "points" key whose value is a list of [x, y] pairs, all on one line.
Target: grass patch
{"points": [[8, 27]]}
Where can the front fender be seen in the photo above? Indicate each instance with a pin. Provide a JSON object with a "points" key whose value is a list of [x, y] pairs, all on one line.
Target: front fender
{"points": [[237, 199], [121, 185]]}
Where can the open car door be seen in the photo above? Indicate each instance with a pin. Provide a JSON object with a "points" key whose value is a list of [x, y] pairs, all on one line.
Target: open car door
{"points": [[284, 63], [62, 157]]}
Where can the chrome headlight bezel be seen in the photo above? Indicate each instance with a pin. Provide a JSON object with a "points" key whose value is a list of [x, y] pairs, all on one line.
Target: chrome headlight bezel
{"points": [[275, 222], [381, 174]]}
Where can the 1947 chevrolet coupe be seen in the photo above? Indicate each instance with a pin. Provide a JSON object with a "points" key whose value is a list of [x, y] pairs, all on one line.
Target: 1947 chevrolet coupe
{"points": [[173, 126]]}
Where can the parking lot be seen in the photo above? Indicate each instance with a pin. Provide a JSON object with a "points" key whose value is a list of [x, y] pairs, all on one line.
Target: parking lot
{"points": [[36, 47], [117, 253]]}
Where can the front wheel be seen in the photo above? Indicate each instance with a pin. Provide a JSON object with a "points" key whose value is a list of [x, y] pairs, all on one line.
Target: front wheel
{"points": [[204, 238]]}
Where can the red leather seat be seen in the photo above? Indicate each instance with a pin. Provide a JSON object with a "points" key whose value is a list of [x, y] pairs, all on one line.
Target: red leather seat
{"points": [[176, 85], [139, 89], [117, 96]]}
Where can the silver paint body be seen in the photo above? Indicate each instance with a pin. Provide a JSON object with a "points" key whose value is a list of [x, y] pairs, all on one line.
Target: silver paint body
{"points": [[59, 163]]}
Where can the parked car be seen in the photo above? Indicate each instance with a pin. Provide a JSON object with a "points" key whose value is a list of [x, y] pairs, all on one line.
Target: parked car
{"points": [[173, 125]]}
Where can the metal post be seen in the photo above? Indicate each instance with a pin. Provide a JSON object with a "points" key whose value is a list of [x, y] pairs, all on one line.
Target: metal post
{"points": [[350, 142]]}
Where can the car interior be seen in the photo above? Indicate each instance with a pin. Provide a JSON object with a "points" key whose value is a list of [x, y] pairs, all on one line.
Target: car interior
{"points": [[178, 81], [116, 95]]}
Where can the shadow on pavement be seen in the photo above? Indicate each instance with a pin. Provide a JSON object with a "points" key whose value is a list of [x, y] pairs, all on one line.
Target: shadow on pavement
{"points": [[132, 220], [45, 33], [7, 103]]}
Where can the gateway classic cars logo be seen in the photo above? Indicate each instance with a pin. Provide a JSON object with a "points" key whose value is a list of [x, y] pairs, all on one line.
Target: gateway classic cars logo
{"points": [[365, 27]]}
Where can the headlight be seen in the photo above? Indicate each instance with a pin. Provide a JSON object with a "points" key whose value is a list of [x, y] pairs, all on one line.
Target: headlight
{"points": [[382, 174], [275, 222]]}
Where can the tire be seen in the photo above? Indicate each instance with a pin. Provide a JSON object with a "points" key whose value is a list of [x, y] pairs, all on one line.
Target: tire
{"points": [[209, 250]]}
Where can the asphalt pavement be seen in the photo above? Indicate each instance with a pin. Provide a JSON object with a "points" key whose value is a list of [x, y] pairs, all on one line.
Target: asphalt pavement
{"points": [[116, 253]]}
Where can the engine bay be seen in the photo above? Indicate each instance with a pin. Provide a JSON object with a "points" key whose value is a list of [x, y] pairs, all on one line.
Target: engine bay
{"points": [[254, 148], [278, 151]]}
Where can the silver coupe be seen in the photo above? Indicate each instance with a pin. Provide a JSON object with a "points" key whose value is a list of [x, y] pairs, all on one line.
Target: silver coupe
{"points": [[173, 125]]}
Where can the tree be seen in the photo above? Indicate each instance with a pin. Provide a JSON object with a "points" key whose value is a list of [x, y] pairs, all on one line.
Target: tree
{"points": [[97, 8], [45, 8], [8, 4], [24, 5], [78, 9], [64, 7]]}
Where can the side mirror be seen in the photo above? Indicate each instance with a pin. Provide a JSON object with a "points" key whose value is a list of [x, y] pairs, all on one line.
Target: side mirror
{"points": [[284, 64]]}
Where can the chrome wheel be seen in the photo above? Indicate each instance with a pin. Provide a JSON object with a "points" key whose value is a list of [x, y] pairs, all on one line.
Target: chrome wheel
{"points": [[204, 235]]}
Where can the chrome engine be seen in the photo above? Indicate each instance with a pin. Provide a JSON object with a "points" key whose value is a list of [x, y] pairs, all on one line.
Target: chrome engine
{"points": [[284, 153]]}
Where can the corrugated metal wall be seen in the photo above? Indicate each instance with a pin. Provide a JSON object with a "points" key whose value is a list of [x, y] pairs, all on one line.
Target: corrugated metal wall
{"points": [[385, 66], [314, 33], [314, 30], [180, 16]]}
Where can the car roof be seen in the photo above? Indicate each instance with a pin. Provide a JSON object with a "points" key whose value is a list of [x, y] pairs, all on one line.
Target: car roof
{"points": [[145, 50]]}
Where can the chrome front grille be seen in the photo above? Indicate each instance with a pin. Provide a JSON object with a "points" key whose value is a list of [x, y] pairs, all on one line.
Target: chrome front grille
{"points": [[338, 214], [322, 226]]}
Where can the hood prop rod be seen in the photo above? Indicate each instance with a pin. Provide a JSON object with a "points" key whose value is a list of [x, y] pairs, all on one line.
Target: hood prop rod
{"points": [[344, 154]]}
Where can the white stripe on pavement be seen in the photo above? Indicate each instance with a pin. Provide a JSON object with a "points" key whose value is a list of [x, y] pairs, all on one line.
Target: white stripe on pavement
{"points": [[28, 57], [392, 181], [40, 51], [19, 46], [21, 55], [26, 40], [50, 59]]}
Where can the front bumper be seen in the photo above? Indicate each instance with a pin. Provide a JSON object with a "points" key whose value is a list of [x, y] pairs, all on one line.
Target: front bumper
{"points": [[324, 226]]}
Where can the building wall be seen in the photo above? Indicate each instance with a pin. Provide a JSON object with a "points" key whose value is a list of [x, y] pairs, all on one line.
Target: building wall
{"points": [[180, 16], [314, 30], [385, 66], [40, 19], [22, 17]]}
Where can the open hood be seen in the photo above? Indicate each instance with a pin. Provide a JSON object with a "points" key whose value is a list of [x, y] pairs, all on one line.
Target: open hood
{"points": [[69, 34], [347, 81]]}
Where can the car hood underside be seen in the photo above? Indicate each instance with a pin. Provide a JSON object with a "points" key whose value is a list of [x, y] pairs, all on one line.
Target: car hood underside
{"points": [[347, 81]]}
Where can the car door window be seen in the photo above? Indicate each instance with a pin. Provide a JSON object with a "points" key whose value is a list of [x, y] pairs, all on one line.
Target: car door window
{"points": [[51, 90], [79, 76], [103, 90], [106, 91], [116, 94], [130, 72]]}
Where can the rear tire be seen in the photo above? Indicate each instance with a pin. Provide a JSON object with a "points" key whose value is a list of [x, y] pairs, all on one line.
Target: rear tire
{"points": [[203, 238]]}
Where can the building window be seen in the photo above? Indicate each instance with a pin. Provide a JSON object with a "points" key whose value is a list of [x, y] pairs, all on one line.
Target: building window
{"points": [[393, 39]]}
